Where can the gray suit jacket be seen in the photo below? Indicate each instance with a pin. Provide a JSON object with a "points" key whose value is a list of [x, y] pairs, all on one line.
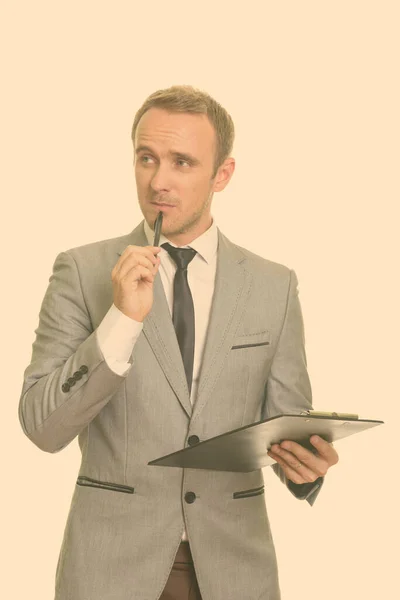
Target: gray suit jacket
{"points": [[126, 518]]}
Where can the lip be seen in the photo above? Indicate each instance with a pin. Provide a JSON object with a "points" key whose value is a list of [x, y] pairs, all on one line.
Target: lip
{"points": [[163, 205]]}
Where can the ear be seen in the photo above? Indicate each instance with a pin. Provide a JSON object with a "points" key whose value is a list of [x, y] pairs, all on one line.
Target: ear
{"points": [[224, 174]]}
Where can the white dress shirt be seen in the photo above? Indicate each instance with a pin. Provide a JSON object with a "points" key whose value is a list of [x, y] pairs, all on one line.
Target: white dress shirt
{"points": [[117, 333]]}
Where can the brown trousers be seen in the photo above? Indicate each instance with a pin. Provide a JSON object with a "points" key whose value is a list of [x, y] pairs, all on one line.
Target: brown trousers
{"points": [[182, 581]]}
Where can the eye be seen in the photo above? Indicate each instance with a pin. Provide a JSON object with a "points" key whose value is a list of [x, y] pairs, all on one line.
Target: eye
{"points": [[180, 160], [142, 159]]}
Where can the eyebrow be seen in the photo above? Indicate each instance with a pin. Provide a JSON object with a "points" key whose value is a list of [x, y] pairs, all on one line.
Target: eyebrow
{"points": [[183, 155]]}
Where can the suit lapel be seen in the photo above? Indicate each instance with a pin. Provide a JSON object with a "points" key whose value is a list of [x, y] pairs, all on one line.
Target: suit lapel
{"points": [[159, 330], [232, 286]]}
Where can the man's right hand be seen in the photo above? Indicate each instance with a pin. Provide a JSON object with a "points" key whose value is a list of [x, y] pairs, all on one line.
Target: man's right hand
{"points": [[133, 278]]}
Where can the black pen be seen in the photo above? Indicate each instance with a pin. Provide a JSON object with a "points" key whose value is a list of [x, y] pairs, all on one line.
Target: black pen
{"points": [[157, 228]]}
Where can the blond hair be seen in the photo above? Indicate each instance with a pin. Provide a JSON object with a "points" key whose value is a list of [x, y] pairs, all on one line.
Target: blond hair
{"points": [[187, 99]]}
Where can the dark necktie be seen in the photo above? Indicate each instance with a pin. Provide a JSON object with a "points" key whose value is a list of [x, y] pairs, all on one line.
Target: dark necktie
{"points": [[183, 309]]}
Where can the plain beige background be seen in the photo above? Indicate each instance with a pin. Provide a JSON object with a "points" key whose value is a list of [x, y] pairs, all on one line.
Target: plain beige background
{"points": [[312, 88]]}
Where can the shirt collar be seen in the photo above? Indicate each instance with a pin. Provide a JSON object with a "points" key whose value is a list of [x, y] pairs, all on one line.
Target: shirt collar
{"points": [[206, 244]]}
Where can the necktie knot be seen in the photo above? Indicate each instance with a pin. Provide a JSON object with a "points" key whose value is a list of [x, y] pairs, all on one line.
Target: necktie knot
{"points": [[181, 256]]}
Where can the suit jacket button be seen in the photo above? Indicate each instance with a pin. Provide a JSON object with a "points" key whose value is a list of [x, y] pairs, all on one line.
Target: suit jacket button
{"points": [[65, 387], [190, 497], [71, 381], [193, 440], [77, 375], [84, 369]]}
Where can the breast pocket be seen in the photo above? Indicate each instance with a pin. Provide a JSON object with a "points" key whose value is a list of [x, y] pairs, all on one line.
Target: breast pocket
{"points": [[252, 340]]}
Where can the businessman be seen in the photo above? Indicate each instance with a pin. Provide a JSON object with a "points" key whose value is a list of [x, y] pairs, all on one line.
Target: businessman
{"points": [[142, 350]]}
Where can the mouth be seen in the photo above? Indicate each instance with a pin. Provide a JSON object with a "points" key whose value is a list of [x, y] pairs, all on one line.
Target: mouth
{"points": [[163, 205]]}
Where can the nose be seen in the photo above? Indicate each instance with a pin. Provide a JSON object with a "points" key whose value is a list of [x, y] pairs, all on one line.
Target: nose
{"points": [[161, 180]]}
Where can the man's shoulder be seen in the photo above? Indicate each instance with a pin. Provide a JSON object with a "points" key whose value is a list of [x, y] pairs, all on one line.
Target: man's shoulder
{"points": [[107, 248], [109, 244], [259, 264]]}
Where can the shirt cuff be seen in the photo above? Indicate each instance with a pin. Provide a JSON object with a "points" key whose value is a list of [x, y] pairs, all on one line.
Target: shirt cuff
{"points": [[303, 491], [117, 335]]}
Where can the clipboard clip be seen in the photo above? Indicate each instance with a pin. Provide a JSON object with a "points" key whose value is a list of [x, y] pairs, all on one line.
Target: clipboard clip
{"points": [[335, 415]]}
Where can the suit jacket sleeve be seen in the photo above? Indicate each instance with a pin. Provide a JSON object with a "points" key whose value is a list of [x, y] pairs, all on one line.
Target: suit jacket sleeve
{"points": [[68, 380], [288, 386]]}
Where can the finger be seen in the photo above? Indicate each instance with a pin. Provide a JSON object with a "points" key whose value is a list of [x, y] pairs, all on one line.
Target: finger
{"points": [[149, 251], [297, 466], [132, 260], [292, 474], [325, 450], [137, 273], [297, 453], [136, 260], [152, 249]]}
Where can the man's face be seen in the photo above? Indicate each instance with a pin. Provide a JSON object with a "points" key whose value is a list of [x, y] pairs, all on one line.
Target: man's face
{"points": [[174, 163]]}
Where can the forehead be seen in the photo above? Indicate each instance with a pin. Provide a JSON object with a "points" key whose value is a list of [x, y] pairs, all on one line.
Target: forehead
{"points": [[165, 128]]}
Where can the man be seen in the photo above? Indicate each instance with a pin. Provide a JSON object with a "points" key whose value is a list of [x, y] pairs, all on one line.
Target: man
{"points": [[143, 350]]}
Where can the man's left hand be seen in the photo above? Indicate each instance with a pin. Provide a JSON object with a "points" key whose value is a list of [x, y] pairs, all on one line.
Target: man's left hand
{"points": [[301, 465]]}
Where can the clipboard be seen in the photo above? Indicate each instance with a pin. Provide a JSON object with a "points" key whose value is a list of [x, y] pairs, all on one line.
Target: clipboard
{"points": [[245, 449]]}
